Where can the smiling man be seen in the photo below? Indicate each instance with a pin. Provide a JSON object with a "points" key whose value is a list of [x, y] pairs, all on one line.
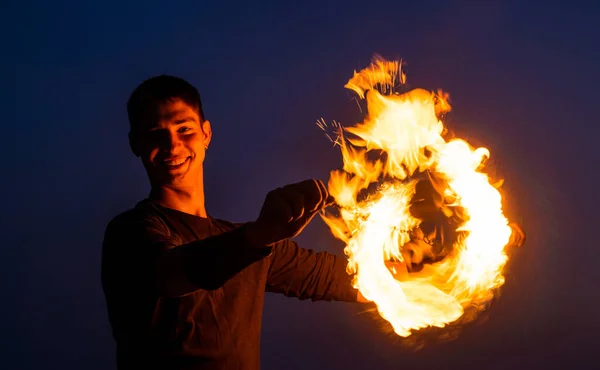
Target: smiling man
{"points": [[185, 290]]}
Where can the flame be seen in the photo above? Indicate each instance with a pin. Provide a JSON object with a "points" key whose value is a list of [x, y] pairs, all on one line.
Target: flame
{"points": [[407, 128]]}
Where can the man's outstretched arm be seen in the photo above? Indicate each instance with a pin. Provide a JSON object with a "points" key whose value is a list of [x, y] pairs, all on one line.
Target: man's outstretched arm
{"points": [[306, 274], [140, 252], [139, 249]]}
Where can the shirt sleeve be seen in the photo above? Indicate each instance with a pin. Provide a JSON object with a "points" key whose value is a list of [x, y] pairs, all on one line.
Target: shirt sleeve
{"points": [[305, 274], [141, 254]]}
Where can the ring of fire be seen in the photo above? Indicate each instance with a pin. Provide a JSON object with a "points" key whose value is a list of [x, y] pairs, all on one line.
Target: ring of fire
{"points": [[408, 129]]}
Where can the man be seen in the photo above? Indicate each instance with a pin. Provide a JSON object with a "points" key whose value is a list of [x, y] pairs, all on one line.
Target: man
{"points": [[185, 290]]}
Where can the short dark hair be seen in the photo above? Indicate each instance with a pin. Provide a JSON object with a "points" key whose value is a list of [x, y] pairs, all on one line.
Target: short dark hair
{"points": [[145, 100]]}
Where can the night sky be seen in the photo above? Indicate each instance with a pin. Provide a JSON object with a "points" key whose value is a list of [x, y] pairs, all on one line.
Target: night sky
{"points": [[523, 79]]}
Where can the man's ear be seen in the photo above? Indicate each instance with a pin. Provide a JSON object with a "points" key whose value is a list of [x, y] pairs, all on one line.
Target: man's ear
{"points": [[207, 132], [134, 144]]}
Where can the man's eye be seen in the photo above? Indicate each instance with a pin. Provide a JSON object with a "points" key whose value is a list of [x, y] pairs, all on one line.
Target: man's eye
{"points": [[183, 129]]}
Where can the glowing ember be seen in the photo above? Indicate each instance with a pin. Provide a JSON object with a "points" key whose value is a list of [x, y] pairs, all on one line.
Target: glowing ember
{"points": [[378, 228]]}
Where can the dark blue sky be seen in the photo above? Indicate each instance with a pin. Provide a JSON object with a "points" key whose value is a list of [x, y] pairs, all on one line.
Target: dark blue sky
{"points": [[523, 79]]}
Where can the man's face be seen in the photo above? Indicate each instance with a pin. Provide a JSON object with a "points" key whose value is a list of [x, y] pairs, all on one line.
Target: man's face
{"points": [[172, 147]]}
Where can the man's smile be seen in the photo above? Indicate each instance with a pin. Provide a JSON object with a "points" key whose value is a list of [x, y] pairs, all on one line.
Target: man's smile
{"points": [[173, 164]]}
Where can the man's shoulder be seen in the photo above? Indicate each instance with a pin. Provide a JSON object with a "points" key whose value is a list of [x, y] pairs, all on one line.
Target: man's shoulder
{"points": [[143, 212], [138, 225]]}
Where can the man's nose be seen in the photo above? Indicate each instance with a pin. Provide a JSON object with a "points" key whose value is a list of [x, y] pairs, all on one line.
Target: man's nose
{"points": [[170, 141]]}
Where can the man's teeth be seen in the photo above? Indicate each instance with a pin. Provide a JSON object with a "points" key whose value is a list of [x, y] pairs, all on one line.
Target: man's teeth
{"points": [[175, 162]]}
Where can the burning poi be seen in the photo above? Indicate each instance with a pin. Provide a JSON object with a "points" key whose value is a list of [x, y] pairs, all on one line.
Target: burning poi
{"points": [[380, 226]]}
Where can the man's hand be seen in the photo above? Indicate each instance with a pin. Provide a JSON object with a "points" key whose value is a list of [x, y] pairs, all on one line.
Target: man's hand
{"points": [[286, 211], [517, 237]]}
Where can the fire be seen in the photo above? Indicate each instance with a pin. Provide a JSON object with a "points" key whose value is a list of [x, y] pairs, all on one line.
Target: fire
{"points": [[408, 129]]}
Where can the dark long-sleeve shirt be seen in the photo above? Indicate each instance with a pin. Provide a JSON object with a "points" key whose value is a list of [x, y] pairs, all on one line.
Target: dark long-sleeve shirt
{"points": [[185, 292]]}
